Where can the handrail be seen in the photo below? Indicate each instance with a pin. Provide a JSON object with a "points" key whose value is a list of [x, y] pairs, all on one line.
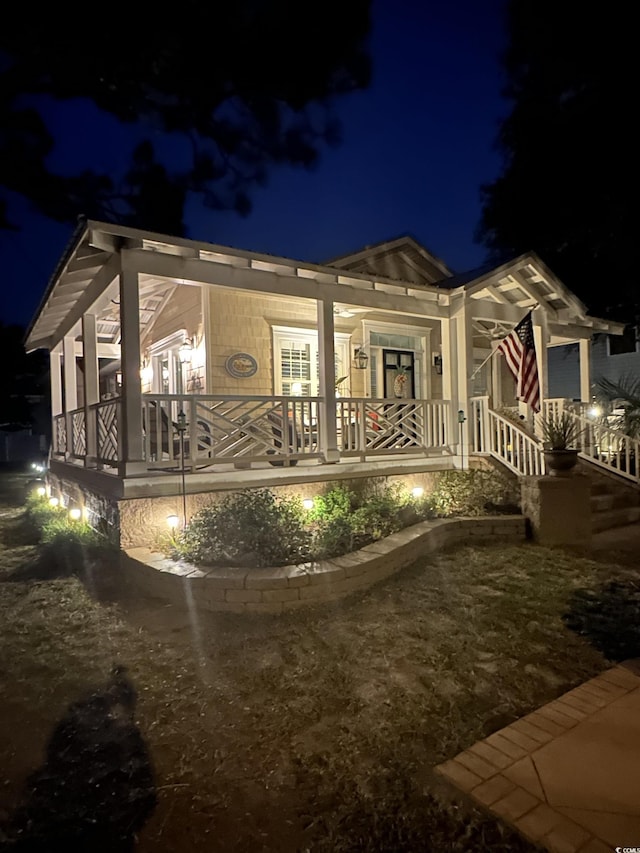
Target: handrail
{"points": [[514, 447], [607, 447]]}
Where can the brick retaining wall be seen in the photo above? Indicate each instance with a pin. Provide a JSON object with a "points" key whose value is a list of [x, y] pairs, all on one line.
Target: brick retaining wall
{"points": [[275, 590]]}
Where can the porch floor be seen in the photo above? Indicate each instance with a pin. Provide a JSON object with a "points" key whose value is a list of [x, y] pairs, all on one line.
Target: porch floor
{"points": [[225, 476]]}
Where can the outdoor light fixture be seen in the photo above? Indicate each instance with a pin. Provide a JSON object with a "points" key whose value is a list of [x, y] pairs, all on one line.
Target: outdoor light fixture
{"points": [[185, 352], [360, 358], [146, 374], [41, 491], [173, 521], [307, 503], [437, 363], [119, 378], [75, 514], [417, 492], [346, 313], [594, 411], [53, 501]]}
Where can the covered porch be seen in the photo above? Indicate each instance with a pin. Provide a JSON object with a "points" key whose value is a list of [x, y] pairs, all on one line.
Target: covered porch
{"points": [[169, 355]]}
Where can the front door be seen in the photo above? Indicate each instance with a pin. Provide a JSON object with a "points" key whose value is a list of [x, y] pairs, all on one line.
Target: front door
{"points": [[399, 374]]}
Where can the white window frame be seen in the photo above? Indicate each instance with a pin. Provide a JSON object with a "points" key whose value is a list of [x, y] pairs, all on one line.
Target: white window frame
{"points": [[286, 334], [421, 356], [168, 346]]}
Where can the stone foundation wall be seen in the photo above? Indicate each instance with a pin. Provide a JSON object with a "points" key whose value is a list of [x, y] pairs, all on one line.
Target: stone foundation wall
{"points": [[291, 587], [99, 511], [144, 520]]}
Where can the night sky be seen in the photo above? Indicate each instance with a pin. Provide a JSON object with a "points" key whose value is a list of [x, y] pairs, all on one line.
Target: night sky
{"points": [[416, 147]]}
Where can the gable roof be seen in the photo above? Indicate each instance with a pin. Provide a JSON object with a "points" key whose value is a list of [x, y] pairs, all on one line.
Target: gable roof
{"points": [[402, 258]]}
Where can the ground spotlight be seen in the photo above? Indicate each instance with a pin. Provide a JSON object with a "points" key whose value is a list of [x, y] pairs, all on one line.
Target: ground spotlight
{"points": [[75, 514], [53, 501], [173, 521], [417, 492], [307, 503]]}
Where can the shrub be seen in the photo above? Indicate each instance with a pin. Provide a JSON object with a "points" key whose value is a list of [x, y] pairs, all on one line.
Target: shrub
{"points": [[345, 521], [39, 513], [473, 492], [251, 528]]}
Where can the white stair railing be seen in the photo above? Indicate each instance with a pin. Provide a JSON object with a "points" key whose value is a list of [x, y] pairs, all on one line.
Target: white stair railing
{"points": [[505, 440], [607, 447]]}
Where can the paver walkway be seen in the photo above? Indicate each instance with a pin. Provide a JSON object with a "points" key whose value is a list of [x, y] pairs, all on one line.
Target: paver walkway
{"points": [[567, 775]]}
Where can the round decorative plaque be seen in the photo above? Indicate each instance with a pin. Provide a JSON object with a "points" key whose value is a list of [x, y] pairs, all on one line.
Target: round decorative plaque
{"points": [[241, 365]]}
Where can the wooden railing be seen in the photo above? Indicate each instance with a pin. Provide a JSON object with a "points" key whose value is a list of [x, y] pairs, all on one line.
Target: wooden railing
{"points": [[607, 447], [505, 440], [374, 427], [246, 429]]}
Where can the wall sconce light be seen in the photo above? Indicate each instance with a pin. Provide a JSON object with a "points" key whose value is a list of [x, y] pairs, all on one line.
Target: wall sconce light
{"points": [[185, 352], [437, 363], [119, 378], [146, 374], [360, 358]]}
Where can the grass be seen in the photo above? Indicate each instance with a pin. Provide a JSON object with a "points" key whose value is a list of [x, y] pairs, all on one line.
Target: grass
{"points": [[319, 730]]}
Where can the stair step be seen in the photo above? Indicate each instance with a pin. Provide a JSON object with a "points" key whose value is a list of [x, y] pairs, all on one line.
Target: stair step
{"points": [[615, 518], [614, 500]]}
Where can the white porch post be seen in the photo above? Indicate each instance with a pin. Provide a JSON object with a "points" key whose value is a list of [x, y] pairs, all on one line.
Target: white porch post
{"points": [[450, 378], [327, 357], [496, 376], [55, 372], [464, 348], [585, 370], [130, 426], [541, 340], [70, 386], [91, 383]]}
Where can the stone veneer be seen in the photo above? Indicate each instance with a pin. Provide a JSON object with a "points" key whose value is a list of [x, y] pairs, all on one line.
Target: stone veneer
{"points": [[274, 590]]}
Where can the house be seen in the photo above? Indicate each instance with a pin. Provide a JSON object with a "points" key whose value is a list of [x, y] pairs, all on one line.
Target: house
{"points": [[181, 369], [613, 357]]}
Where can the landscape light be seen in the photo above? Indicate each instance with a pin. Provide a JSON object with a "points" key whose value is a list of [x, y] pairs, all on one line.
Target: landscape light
{"points": [[417, 491], [53, 501], [307, 503], [173, 521], [41, 491], [75, 514]]}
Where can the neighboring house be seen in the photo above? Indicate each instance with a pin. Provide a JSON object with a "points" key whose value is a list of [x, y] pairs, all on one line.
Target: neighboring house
{"points": [[248, 370], [612, 357]]}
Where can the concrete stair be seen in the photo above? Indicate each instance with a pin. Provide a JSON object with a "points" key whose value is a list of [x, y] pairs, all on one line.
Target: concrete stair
{"points": [[613, 503]]}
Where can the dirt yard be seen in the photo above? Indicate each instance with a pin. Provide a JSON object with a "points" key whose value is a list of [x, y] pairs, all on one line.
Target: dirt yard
{"points": [[316, 731]]}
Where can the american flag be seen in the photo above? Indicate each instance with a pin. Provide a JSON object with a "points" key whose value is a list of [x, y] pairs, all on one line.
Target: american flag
{"points": [[519, 350]]}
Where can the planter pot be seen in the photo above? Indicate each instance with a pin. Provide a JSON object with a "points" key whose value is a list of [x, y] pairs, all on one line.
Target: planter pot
{"points": [[559, 463]]}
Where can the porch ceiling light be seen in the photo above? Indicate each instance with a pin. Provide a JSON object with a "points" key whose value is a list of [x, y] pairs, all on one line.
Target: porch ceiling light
{"points": [[346, 313], [360, 358], [185, 353]]}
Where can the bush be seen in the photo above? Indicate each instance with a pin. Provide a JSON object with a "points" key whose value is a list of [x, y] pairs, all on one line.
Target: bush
{"points": [[473, 492], [251, 528], [39, 513], [345, 521]]}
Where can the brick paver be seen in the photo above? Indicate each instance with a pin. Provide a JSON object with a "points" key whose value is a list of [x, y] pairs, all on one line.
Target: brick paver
{"points": [[501, 774]]}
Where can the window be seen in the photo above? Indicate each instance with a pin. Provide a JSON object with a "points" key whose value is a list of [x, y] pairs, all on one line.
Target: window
{"points": [[625, 343], [296, 361]]}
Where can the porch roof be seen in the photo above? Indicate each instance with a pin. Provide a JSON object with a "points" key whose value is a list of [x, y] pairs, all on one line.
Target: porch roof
{"points": [[84, 280]]}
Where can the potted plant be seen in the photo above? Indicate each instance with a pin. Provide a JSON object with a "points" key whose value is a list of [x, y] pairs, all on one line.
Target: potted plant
{"points": [[560, 434]]}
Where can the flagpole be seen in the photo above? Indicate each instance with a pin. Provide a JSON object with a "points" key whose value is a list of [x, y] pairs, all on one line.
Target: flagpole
{"points": [[493, 352]]}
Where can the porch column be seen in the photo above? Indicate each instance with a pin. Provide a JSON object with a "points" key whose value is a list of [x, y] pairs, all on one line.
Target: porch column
{"points": [[91, 383], [496, 377], [55, 372], [130, 425], [327, 369], [585, 370], [464, 349], [450, 378], [70, 386], [541, 340]]}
